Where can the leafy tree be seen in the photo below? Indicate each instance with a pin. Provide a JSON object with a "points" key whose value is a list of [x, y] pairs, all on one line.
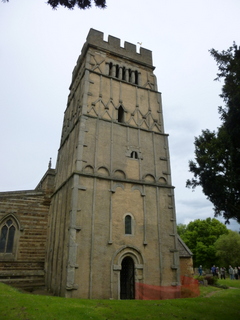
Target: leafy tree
{"points": [[181, 229], [70, 4], [227, 249], [217, 154], [200, 236]]}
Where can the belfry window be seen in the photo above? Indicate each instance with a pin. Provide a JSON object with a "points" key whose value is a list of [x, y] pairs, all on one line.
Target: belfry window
{"points": [[120, 114], [117, 71], [130, 75], [123, 73], [128, 224], [110, 68], [7, 234], [136, 77]]}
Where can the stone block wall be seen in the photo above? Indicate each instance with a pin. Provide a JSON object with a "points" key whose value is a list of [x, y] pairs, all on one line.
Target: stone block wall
{"points": [[186, 266], [22, 255]]}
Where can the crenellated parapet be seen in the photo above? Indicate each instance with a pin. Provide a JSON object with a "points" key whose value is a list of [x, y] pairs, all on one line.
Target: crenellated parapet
{"points": [[95, 38], [113, 46]]}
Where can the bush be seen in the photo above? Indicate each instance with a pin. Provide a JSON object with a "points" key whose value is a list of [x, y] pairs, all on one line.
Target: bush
{"points": [[199, 278], [212, 281], [222, 286]]}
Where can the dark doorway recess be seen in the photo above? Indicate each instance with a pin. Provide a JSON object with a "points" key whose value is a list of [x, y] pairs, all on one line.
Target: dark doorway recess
{"points": [[127, 282]]}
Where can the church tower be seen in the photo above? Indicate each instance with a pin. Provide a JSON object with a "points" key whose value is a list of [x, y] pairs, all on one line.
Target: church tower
{"points": [[112, 227]]}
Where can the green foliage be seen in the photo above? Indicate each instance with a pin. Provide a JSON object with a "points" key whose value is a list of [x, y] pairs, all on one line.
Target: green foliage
{"points": [[216, 167], [227, 249], [200, 236], [222, 286], [199, 278], [212, 281], [71, 4], [181, 228]]}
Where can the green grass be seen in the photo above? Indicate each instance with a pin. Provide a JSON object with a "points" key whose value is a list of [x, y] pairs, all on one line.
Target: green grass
{"points": [[230, 283], [213, 303]]}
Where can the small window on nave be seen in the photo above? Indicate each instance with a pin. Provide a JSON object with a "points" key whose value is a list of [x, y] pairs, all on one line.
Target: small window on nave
{"points": [[7, 235]]}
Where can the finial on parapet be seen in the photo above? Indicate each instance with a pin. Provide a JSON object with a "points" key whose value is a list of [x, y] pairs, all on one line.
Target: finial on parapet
{"points": [[50, 163]]}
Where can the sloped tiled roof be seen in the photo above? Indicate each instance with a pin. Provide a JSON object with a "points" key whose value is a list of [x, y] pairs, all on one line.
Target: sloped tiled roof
{"points": [[184, 251]]}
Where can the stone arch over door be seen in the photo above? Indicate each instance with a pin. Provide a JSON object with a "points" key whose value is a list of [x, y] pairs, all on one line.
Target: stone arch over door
{"points": [[127, 262]]}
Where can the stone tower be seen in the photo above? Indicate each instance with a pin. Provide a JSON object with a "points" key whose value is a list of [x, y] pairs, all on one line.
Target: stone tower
{"points": [[112, 216]]}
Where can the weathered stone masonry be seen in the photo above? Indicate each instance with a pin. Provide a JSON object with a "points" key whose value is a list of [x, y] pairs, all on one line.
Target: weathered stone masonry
{"points": [[113, 162], [28, 211], [111, 215]]}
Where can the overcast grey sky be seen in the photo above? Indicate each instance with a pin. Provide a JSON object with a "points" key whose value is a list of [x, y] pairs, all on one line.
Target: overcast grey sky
{"points": [[39, 48]]}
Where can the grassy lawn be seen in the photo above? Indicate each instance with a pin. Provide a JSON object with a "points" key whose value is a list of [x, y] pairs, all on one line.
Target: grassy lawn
{"points": [[213, 303], [230, 283]]}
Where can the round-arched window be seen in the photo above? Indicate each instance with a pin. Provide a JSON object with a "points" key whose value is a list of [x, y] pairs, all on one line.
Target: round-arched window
{"points": [[128, 224]]}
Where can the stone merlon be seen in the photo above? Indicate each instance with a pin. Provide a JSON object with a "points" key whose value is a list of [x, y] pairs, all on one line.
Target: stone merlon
{"points": [[129, 51]]}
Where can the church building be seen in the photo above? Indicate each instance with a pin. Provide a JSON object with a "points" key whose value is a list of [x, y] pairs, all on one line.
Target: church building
{"points": [[102, 225]]}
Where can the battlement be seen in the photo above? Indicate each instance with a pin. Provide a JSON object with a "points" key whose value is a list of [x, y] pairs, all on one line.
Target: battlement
{"points": [[95, 38], [113, 46]]}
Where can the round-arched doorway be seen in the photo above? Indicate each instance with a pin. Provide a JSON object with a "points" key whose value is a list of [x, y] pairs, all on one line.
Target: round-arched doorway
{"points": [[127, 279]]}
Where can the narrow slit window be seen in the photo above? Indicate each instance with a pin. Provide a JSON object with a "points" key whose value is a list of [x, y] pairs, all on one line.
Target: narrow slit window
{"points": [[123, 73], [128, 224], [110, 68], [117, 71], [136, 77], [120, 114], [129, 75]]}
